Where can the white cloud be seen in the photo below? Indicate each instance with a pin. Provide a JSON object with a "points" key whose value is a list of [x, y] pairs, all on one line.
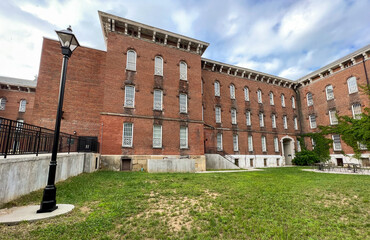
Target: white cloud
{"points": [[184, 21]]}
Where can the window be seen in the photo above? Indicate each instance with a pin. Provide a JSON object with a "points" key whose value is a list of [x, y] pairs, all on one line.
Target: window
{"points": [[352, 85], [356, 111], [2, 103], [293, 102], [233, 116], [333, 117], [131, 60], [232, 91], [312, 121], [273, 120], [259, 96], [127, 134], [248, 118], [158, 66], [129, 96], [183, 71], [298, 146], [313, 142], [285, 121], [337, 146], [329, 92], [246, 94], [218, 114], [217, 89], [219, 141], [250, 143], [276, 144], [263, 142], [183, 103], [362, 146], [22, 105], [295, 123], [309, 99], [157, 136], [235, 143], [157, 103], [262, 122], [183, 137], [282, 100], [271, 95]]}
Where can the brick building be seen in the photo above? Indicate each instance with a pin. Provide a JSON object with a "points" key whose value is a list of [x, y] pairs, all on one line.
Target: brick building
{"points": [[153, 101]]}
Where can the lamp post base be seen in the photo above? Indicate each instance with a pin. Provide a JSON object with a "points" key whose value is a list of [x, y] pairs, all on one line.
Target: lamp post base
{"points": [[48, 203]]}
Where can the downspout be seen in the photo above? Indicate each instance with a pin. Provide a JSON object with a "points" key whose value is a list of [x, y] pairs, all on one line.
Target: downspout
{"points": [[300, 115]]}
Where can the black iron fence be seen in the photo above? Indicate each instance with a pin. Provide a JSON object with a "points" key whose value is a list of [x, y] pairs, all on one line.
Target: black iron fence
{"points": [[21, 138]]}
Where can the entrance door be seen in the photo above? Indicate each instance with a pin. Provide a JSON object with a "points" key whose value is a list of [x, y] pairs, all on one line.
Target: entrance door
{"points": [[125, 164], [288, 151], [340, 162]]}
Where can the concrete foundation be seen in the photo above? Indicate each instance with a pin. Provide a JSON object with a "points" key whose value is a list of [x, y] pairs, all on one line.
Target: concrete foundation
{"points": [[216, 161]]}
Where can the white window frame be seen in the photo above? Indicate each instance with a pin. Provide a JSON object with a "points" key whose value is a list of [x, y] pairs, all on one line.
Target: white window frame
{"points": [[276, 144], [250, 143], [332, 117], [158, 66], [298, 146], [246, 94], [271, 95], [352, 85], [127, 99], [285, 122], [295, 123], [183, 71], [337, 146], [313, 123], [2, 104], [183, 101], [157, 140], [282, 100], [313, 143], [158, 99], [248, 118], [131, 60], [217, 88], [362, 146], [262, 120], [22, 105], [233, 116], [273, 121], [293, 102], [219, 142], [309, 97], [218, 114], [263, 144], [126, 136], [356, 111], [329, 90], [259, 96], [235, 143], [232, 91], [183, 139]]}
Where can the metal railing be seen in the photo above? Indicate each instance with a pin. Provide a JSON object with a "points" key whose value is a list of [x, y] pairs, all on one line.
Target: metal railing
{"points": [[21, 138]]}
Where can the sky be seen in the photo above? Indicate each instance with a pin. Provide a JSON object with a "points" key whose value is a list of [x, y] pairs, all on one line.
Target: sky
{"points": [[287, 38]]}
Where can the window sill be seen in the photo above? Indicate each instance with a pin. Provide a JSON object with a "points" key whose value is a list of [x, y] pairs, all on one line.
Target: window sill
{"points": [[128, 107], [131, 70], [127, 147], [187, 148], [157, 147], [184, 80]]}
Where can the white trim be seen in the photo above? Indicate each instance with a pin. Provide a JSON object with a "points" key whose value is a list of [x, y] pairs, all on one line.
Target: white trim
{"points": [[218, 116], [126, 98], [131, 140], [219, 143], [131, 63], [160, 138], [160, 104], [186, 137], [183, 109], [333, 119], [158, 70], [183, 71], [235, 142]]}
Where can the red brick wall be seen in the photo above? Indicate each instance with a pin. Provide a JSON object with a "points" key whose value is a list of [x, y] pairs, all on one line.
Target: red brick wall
{"points": [[12, 105]]}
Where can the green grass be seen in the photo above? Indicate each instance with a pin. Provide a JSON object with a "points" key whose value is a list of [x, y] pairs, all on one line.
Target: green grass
{"points": [[277, 203]]}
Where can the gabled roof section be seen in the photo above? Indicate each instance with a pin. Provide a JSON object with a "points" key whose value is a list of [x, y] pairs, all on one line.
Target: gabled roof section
{"points": [[112, 23]]}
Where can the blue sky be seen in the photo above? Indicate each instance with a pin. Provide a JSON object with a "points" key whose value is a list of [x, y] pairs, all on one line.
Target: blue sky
{"points": [[288, 38]]}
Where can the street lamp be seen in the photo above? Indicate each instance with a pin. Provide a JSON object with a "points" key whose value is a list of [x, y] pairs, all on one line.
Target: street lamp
{"points": [[68, 44]]}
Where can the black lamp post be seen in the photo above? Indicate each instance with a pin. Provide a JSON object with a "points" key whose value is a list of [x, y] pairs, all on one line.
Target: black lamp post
{"points": [[68, 44]]}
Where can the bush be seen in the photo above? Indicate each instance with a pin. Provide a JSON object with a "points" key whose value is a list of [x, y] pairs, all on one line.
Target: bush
{"points": [[305, 158]]}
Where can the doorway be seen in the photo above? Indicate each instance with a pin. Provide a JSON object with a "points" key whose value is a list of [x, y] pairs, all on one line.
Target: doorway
{"points": [[125, 164], [288, 150], [340, 162]]}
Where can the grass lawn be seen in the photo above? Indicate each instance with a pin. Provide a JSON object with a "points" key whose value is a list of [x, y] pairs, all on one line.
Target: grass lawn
{"points": [[278, 203]]}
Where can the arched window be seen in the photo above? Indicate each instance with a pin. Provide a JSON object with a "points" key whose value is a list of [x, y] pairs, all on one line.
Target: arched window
{"points": [[22, 105], [217, 88], [352, 85], [259, 96], [282, 100], [232, 91], [329, 92], [271, 95], [309, 99], [183, 71], [158, 66], [2, 103], [131, 60], [293, 102], [246, 94]]}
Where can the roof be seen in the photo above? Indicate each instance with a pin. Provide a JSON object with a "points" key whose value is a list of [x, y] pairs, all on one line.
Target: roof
{"points": [[18, 82]]}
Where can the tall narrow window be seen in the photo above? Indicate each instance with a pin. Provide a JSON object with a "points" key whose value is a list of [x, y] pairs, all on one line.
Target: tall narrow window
{"points": [[129, 96], [329, 92], [183, 71], [2, 103], [22, 105], [131, 60], [183, 103], [356, 111], [337, 146], [263, 142], [250, 143], [217, 88], [158, 96], [282, 100], [352, 85], [232, 91], [276, 144], [273, 120], [295, 123], [313, 142], [218, 114], [248, 118], [333, 118], [259, 96], [271, 95], [158, 66], [262, 122], [285, 122], [246, 94], [157, 136], [298, 146], [309, 99], [233, 116], [312, 121], [183, 137], [235, 143], [293, 102], [127, 134], [219, 141]]}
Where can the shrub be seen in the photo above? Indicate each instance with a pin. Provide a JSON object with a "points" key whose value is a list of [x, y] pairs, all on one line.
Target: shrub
{"points": [[305, 158]]}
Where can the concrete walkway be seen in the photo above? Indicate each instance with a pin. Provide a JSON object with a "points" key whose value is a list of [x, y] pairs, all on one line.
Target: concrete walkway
{"points": [[336, 172], [15, 215], [228, 171]]}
